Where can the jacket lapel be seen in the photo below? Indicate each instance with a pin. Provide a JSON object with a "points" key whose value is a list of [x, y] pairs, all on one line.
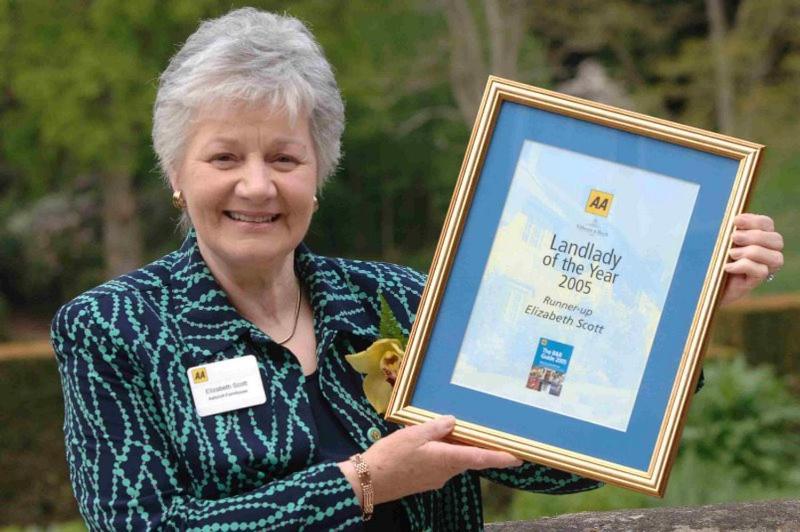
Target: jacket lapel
{"points": [[207, 322], [345, 320]]}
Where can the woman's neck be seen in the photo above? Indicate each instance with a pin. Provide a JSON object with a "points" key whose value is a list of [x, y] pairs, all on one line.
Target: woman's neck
{"points": [[265, 295]]}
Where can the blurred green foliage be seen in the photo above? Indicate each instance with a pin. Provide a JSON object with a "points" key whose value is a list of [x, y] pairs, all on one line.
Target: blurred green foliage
{"points": [[748, 423], [77, 82], [741, 442], [72, 526], [34, 485]]}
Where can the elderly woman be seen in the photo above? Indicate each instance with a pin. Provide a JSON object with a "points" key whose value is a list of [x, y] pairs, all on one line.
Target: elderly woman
{"points": [[247, 127]]}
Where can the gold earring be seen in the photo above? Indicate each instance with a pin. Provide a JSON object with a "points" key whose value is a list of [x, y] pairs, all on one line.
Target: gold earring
{"points": [[177, 200], [316, 204]]}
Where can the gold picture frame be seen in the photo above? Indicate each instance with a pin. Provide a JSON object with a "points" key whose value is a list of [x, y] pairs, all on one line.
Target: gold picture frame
{"points": [[424, 388]]}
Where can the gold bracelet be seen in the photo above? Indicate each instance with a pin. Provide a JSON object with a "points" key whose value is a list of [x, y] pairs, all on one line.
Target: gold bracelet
{"points": [[365, 480]]}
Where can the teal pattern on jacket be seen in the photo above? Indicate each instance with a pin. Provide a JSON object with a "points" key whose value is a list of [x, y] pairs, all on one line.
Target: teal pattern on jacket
{"points": [[141, 458]]}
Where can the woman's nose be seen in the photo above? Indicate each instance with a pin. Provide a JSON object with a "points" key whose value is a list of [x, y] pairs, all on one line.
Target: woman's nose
{"points": [[256, 181]]}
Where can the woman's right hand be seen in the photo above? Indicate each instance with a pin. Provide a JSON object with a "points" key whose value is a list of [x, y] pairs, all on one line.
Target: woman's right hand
{"points": [[414, 459]]}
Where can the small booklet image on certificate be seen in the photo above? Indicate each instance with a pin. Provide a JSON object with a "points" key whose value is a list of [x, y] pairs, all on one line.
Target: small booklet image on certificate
{"points": [[578, 274], [549, 366]]}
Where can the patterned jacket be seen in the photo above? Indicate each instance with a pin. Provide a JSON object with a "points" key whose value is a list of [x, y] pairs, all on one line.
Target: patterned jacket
{"points": [[141, 458]]}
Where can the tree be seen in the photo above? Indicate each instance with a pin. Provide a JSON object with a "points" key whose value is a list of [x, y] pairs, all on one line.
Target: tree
{"points": [[740, 75], [474, 54], [79, 85], [718, 29]]}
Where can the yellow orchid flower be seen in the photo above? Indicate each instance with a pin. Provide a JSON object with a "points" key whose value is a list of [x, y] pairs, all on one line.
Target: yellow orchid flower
{"points": [[380, 363]]}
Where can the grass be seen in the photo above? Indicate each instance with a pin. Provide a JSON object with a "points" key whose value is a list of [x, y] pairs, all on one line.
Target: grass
{"points": [[71, 526]]}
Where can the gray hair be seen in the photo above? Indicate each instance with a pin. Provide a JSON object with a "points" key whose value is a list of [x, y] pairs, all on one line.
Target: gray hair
{"points": [[249, 56]]}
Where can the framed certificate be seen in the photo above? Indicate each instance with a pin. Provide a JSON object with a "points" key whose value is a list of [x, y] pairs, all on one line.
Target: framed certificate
{"points": [[573, 285]]}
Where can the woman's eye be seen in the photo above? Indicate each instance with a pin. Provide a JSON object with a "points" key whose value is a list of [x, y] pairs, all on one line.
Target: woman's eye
{"points": [[287, 162], [223, 158]]}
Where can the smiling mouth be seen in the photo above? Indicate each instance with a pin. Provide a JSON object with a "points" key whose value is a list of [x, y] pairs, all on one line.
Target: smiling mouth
{"points": [[239, 217]]}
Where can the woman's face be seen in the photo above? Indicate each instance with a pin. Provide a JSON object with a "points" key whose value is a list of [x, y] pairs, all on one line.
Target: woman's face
{"points": [[248, 177]]}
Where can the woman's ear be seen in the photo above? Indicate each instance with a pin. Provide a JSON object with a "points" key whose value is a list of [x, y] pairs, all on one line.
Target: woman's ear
{"points": [[172, 174]]}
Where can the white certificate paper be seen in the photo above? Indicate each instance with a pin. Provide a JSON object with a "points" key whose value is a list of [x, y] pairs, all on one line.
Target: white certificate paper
{"points": [[575, 283]]}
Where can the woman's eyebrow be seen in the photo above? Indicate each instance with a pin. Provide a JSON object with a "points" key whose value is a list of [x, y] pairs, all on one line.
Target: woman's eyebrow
{"points": [[281, 142], [220, 141], [276, 142]]}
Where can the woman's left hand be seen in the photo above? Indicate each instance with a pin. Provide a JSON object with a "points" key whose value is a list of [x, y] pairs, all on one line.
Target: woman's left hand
{"points": [[756, 254]]}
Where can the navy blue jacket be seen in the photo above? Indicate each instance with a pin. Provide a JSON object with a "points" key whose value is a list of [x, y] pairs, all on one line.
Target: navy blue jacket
{"points": [[141, 458]]}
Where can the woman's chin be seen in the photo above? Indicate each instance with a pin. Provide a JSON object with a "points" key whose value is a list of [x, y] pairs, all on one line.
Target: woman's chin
{"points": [[250, 250], [260, 253]]}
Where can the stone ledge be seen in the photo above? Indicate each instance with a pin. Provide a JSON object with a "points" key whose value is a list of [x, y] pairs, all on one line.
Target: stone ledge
{"points": [[736, 517]]}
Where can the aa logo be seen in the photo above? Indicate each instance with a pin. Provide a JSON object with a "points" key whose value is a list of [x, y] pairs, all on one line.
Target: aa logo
{"points": [[199, 375], [599, 203]]}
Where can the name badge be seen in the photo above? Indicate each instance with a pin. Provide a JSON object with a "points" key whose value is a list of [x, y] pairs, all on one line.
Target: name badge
{"points": [[226, 385]]}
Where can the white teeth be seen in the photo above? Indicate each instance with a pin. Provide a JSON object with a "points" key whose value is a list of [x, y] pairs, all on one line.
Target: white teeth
{"points": [[254, 219]]}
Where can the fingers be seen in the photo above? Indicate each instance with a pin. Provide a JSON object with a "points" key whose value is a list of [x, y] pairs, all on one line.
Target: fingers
{"points": [[737, 287], [748, 220], [433, 430], [413, 459], [754, 272], [758, 237], [756, 253], [771, 258], [462, 457]]}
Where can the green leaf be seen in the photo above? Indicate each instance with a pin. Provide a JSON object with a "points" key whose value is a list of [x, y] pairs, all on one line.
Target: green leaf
{"points": [[390, 327]]}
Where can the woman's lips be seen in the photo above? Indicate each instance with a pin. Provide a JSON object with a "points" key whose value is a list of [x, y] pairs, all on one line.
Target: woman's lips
{"points": [[253, 218]]}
